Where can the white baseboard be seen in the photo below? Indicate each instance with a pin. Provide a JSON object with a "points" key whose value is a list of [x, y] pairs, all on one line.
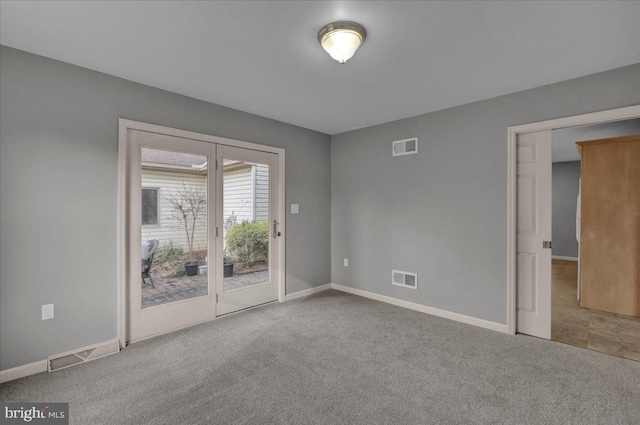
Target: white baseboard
{"points": [[22, 371], [43, 365], [562, 257], [306, 292], [499, 327]]}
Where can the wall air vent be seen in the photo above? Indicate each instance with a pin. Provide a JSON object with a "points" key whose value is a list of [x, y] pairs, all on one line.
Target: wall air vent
{"points": [[405, 147], [82, 355], [404, 279]]}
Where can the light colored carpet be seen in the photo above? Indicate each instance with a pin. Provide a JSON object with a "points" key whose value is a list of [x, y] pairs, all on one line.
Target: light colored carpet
{"points": [[334, 358]]}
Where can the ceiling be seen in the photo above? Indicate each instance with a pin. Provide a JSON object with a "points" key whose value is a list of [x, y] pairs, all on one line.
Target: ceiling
{"points": [[263, 57]]}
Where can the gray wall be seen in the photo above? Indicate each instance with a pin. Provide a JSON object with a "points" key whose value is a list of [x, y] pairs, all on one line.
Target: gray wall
{"points": [[565, 187], [443, 212], [58, 173]]}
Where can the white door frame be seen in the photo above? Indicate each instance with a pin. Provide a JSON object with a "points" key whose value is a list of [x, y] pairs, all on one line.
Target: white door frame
{"points": [[601, 117], [122, 213]]}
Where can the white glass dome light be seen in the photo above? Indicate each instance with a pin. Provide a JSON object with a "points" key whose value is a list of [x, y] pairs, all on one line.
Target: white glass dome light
{"points": [[342, 39]]}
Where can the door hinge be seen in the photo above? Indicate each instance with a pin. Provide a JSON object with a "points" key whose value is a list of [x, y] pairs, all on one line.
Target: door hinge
{"points": [[546, 244], [216, 232], [216, 165], [216, 298]]}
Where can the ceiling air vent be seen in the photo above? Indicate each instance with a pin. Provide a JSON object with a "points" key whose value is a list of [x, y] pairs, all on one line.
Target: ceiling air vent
{"points": [[405, 147], [404, 279]]}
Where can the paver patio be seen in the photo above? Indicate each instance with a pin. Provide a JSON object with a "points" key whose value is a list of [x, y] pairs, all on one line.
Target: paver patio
{"points": [[172, 289]]}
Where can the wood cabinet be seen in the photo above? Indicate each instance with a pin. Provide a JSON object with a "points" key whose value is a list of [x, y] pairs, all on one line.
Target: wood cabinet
{"points": [[610, 225]]}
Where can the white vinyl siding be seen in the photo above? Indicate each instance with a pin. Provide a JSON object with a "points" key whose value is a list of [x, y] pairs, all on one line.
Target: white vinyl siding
{"points": [[262, 192], [247, 200], [170, 226], [238, 195]]}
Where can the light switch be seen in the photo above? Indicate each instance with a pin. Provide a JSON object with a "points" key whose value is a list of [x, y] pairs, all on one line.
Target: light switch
{"points": [[295, 208]]}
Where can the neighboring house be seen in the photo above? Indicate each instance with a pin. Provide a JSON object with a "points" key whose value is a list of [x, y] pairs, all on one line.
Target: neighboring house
{"points": [[246, 191]]}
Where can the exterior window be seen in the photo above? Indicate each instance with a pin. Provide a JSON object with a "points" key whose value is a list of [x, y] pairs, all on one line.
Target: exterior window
{"points": [[149, 207]]}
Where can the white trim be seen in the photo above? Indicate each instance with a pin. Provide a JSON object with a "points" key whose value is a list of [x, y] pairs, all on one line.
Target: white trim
{"points": [[611, 115], [144, 338], [562, 257], [306, 292], [283, 228], [201, 137], [22, 371], [499, 327], [121, 235], [43, 365], [253, 192], [122, 249], [512, 170], [133, 341], [601, 117]]}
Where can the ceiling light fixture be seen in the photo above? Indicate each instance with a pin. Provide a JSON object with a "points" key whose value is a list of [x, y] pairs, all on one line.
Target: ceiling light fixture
{"points": [[342, 39]]}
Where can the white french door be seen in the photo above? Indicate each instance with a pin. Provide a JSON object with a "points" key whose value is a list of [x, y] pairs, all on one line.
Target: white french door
{"points": [[533, 252], [243, 221], [170, 221], [203, 231]]}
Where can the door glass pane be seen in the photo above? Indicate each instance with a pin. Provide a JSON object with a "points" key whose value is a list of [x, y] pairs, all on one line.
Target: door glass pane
{"points": [[246, 224], [174, 248]]}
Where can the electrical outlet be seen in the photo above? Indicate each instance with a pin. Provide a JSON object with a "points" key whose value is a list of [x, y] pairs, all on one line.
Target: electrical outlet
{"points": [[346, 262], [295, 208], [47, 311]]}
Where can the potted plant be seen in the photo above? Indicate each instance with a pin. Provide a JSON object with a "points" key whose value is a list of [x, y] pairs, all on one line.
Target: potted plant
{"points": [[227, 264], [188, 201], [227, 267]]}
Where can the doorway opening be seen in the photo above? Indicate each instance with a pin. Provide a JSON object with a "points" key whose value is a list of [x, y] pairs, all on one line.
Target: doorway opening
{"points": [[529, 218], [599, 315]]}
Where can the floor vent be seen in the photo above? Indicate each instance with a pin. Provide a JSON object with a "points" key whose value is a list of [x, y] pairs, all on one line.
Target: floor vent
{"points": [[404, 279], [405, 147], [82, 355]]}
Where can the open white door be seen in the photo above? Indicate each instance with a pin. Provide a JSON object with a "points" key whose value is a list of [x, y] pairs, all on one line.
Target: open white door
{"points": [[533, 253]]}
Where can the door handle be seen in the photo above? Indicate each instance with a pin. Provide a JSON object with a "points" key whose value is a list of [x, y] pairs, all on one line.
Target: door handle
{"points": [[275, 229], [546, 244]]}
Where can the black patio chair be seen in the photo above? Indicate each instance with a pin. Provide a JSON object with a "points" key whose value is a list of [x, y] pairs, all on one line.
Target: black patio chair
{"points": [[147, 261]]}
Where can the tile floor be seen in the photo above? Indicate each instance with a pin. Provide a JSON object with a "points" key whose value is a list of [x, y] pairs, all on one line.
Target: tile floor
{"points": [[614, 334]]}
